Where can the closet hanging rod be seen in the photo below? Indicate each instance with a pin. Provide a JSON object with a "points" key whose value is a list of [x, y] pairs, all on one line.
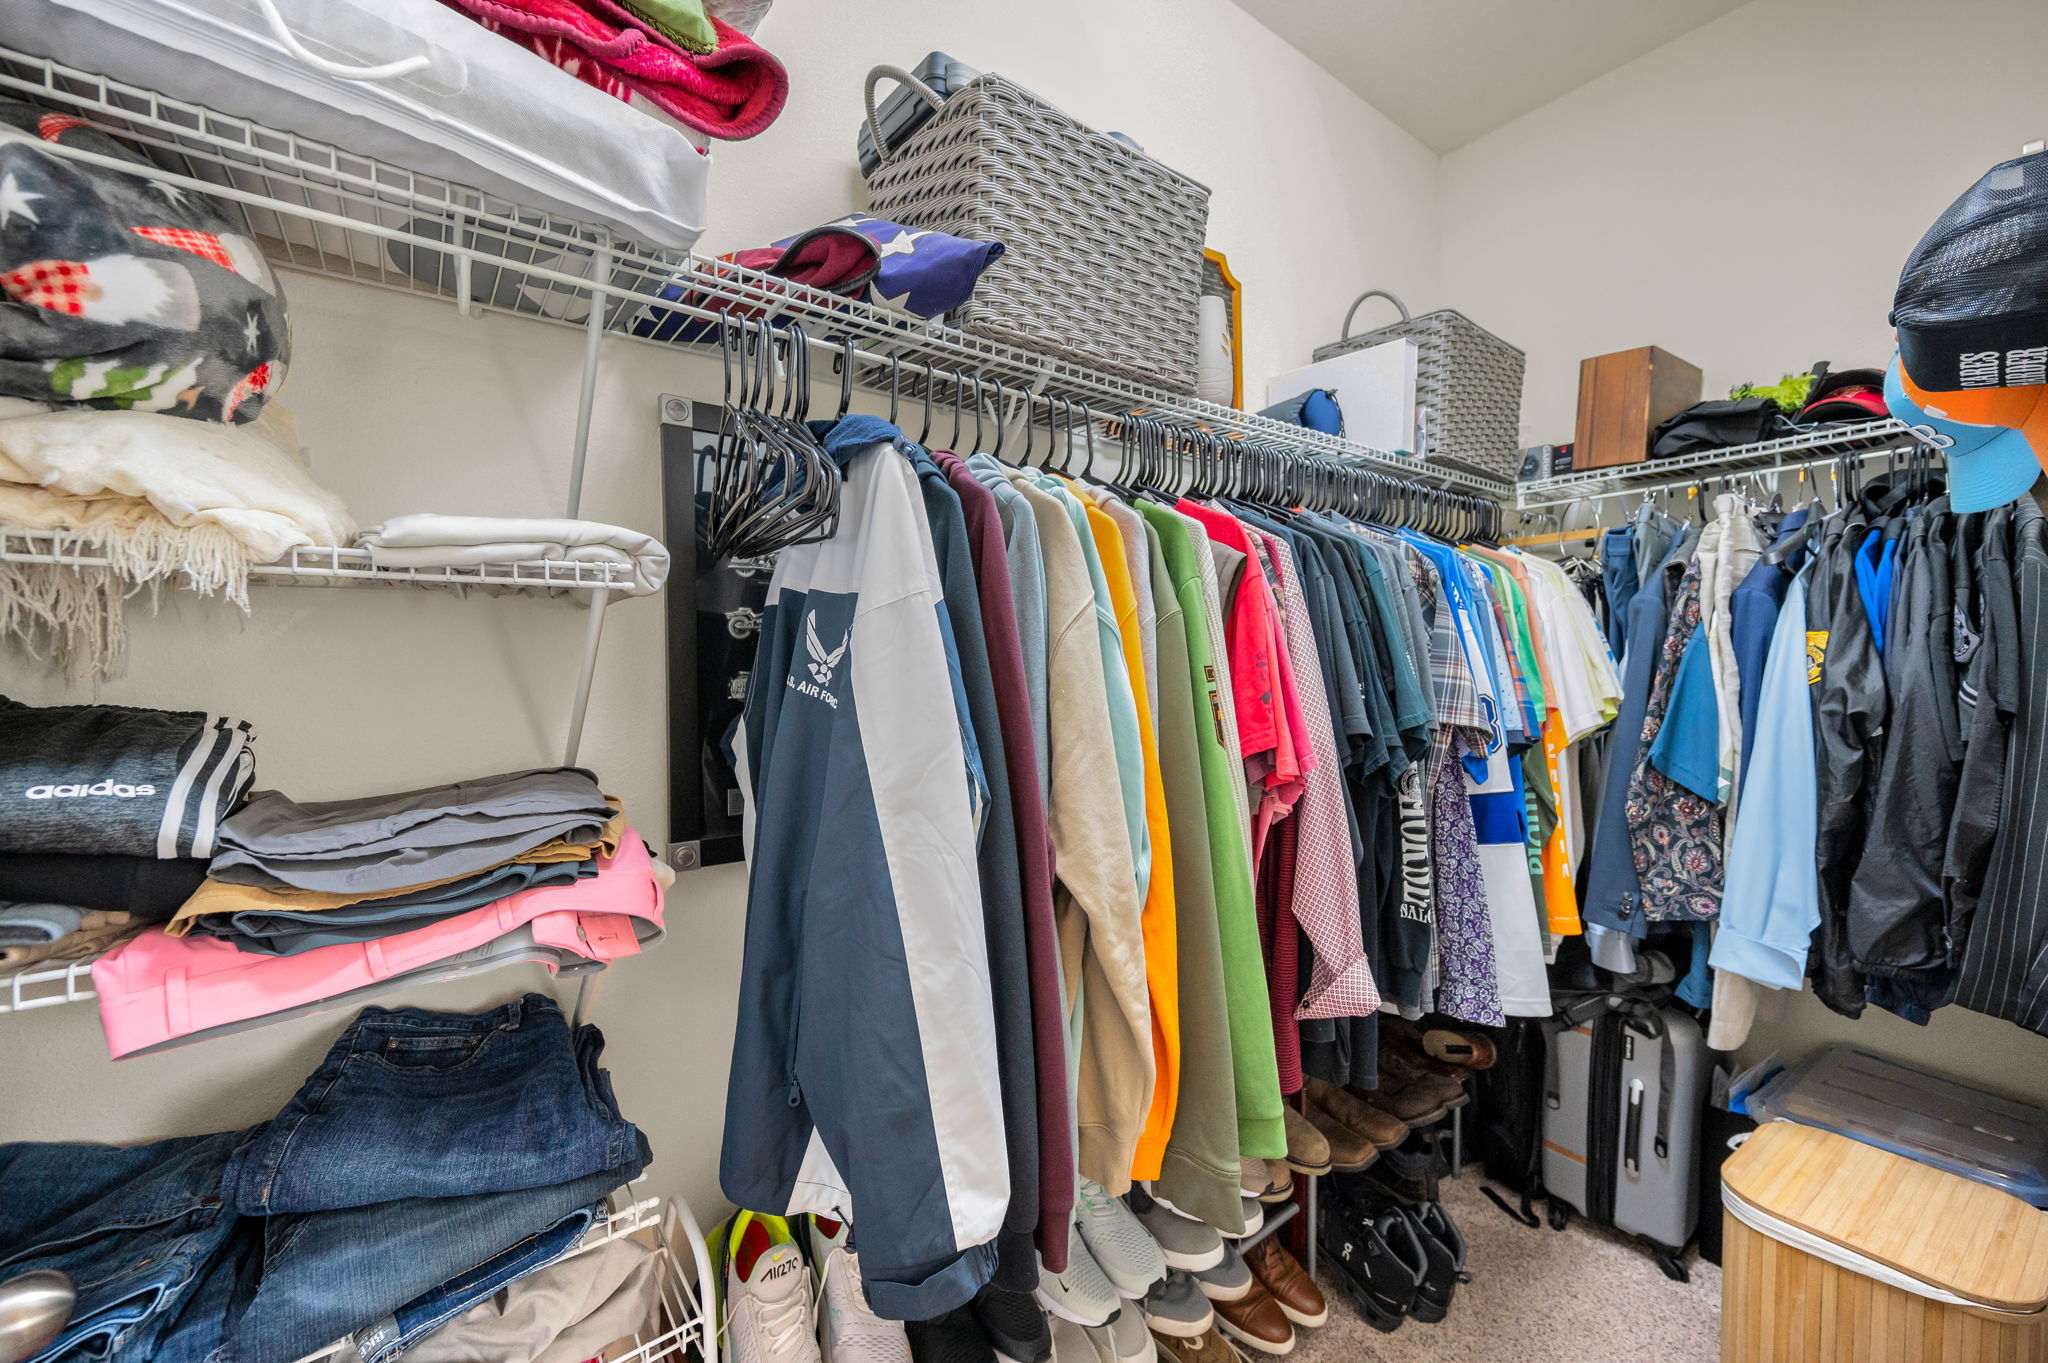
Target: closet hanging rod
{"points": [[1769, 457], [322, 210], [1701, 479]]}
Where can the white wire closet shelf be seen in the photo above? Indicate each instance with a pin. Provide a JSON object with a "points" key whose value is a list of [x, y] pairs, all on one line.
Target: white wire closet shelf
{"points": [[326, 211], [329, 566], [682, 1326], [1788, 454]]}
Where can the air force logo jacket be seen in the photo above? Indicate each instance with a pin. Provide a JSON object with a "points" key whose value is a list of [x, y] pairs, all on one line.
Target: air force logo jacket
{"points": [[864, 1080]]}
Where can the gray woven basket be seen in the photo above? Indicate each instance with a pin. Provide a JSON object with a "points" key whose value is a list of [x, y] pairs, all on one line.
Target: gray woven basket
{"points": [[1468, 382], [1103, 245]]}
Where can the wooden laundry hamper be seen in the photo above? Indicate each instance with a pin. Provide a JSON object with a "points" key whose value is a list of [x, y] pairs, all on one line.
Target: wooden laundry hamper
{"points": [[1102, 259], [1839, 1252]]}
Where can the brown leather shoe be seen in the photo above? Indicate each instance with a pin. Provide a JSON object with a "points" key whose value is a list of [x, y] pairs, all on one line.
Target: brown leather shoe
{"points": [[1412, 1071], [1208, 1347], [1308, 1150], [1382, 1130], [1283, 1276], [1469, 1049], [1256, 1321], [1349, 1151], [1406, 1104]]}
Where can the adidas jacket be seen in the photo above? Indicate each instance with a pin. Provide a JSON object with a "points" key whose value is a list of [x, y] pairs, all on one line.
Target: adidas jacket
{"points": [[864, 1079]]}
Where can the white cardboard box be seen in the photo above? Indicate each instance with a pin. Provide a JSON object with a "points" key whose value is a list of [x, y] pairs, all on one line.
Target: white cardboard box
{"points": [[1375, 389]]}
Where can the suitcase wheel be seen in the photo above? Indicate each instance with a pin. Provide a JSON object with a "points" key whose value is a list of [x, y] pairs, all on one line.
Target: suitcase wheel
{"points": [[1674, 1267]]}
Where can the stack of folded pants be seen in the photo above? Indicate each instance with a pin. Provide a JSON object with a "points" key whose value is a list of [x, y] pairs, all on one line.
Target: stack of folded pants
{"points": [[108, 812], [432, 1159], [293, 877]]}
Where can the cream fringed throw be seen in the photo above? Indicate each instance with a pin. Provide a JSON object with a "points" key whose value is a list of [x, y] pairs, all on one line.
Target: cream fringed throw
{"points": [[162, 499]]}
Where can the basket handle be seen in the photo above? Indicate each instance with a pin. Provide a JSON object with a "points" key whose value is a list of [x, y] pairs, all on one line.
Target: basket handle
{"points": [[1352, 311], [909, 82]]}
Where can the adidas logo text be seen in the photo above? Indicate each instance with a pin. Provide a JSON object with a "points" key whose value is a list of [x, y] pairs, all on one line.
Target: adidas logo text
{"points": [[116, 789]]}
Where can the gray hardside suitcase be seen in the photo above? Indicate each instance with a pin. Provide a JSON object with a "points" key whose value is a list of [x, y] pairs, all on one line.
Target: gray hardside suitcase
{"points": [[1624, 1088]]}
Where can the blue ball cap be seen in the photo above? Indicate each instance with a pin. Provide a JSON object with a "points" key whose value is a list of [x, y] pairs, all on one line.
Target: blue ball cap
{"points": [[1987, 465]]}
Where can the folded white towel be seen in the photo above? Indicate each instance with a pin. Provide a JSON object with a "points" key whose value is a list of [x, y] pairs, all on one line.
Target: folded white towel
{"points": [[427, 540]]}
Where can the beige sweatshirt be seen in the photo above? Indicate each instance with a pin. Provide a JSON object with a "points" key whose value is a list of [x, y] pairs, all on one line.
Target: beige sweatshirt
{"points": [[1095, 897]]}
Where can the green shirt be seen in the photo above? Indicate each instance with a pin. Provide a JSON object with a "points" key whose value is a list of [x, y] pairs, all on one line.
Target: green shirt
{"points": [[1261, 1129]]}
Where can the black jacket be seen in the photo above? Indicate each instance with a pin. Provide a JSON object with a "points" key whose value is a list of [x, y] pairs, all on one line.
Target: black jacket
{"points": [[1897, 911], [1849, 707]]}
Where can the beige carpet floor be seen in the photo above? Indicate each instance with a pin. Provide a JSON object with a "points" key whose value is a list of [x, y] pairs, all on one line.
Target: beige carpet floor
{"points": [[1538, 1296]]}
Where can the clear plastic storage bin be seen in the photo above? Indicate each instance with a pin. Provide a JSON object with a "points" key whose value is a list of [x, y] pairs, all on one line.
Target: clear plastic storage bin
{"points": [[1916, 1114]]}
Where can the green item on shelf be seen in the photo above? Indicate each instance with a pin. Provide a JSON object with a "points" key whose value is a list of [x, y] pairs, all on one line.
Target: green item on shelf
{"points": [[1789, 392], [680, 21]]}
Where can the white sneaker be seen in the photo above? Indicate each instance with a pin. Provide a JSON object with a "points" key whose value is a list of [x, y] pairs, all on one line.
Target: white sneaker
{"points": [[769, 1314], [847, 1328], [1083, 1294], [1119, 1242], [827, 1234]]}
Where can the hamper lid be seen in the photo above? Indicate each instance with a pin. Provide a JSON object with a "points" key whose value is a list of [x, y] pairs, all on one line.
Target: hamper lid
{"points": [[1956, 1236]]}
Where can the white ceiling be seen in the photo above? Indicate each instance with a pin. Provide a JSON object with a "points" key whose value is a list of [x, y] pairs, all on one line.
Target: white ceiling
{"points": [[1452, 70]]}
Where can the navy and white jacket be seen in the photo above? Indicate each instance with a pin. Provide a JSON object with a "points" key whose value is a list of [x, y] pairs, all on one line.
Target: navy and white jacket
{"points": [[864, 1079]]}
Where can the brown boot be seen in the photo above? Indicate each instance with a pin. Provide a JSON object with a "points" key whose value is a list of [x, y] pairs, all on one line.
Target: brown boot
{"points": [[1308, 1150], [1256, 1321], [1279, 1182], [1406, 1104], [1369, 1123], [1282, 1275], [1349, 1151]]}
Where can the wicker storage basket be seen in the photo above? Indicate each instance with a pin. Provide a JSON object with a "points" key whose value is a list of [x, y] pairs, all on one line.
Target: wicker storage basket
{"points": [[1103, 258], [1468, 382]]}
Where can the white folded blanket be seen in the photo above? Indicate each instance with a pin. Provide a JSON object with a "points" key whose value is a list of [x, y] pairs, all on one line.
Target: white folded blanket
{"points": [[427, 540], [161, 498]]}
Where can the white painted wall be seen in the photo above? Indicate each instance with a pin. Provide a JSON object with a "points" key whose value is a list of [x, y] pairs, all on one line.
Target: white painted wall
{"points": [[408, 407], [1743, 196]]}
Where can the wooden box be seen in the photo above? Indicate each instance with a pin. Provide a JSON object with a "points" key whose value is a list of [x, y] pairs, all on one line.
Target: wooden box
{"points": [[1622, 397]]}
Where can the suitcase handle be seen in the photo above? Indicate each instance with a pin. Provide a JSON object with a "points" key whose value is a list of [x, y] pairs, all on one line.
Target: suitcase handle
{"points": [[908, 82], [1632, 1144], [1349, 313]]}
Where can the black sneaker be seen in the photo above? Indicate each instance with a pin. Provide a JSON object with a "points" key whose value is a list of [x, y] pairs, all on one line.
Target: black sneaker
{"points": [[1013, 1324], [1379, 1259], [1440, 1273], [1436, 1223], [1410, 1172]]}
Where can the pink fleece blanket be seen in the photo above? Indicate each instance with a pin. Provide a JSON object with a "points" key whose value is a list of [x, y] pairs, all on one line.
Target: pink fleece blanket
{"points": [[732, 92]]}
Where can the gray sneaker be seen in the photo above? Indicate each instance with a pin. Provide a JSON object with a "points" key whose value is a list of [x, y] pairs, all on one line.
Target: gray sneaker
{"points": [[1129, 1339], [1229, 1280], [1187, 1243], [1126, 1251], [1254, 1218], [1081, 1294], [1072, 1343], [1177, 1306]]}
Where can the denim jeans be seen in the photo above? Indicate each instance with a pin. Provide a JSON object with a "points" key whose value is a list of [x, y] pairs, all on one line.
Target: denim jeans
{"points": [[1618, 574], [432, 1158]]}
